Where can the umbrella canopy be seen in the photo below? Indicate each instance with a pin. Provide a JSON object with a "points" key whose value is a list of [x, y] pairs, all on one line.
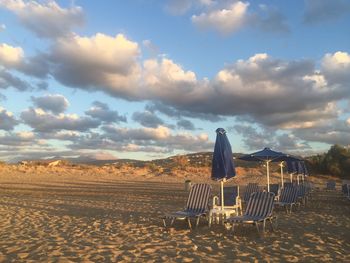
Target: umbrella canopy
{"points": [[223, 167], [266, 155]]}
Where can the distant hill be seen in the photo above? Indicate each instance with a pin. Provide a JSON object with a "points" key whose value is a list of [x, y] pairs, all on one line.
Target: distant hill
{"points": [[200, 159]]}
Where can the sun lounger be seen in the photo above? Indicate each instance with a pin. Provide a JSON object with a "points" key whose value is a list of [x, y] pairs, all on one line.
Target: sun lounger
{"points": [[346, 190], [259, 210], [288, 184], [275, 188], [197, 205], [302, 193], [250, 188], [330, 186], [288, 198]]}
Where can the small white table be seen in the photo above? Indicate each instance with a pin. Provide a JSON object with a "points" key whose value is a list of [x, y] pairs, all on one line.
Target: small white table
{"points": [[217, 214]]}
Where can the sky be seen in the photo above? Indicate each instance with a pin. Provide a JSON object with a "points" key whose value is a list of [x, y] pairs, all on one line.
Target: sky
{"points": [[148, 79]]}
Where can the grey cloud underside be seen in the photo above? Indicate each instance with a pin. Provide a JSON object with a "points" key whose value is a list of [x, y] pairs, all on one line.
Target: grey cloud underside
{"points": [[7, 122], [54, 103], [102, 112], [259, 137], [48, 122], [185, 124], [147, 119], [8, 80]]}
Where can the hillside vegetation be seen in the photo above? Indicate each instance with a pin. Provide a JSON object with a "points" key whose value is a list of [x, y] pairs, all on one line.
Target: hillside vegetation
{"points": [[334, 162]]}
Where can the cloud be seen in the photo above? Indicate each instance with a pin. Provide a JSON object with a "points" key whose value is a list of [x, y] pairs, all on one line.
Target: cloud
{"points": [[98, 61], [102, 112], [14, 58], [335, 68], [47, 20], [173, 112], [19, 139], [42, 121], [7, 120], [225, 20], [268, 19], [55, 103], [8, 80], [2, 27], [258, 137], [10, 56], [158, 139], [326, 10], [185, 124], [147, 119]]}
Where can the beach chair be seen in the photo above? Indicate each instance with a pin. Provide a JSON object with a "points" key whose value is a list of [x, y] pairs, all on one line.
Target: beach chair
{"points": [[330, 186], [288, 198], [197, 205], [259, 210], [302, 193], [288, 184], [232, 199], [346, 190], [250, 188], [275, 188]]}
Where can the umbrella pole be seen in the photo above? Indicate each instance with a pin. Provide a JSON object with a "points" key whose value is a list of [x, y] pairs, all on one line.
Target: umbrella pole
{"points": [[291, 177], [282, 174], [222, 194], [268, 175]]}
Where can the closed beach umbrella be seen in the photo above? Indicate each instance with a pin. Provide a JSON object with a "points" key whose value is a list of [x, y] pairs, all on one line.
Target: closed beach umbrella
{"points": [[266, 155], [223, 167]]}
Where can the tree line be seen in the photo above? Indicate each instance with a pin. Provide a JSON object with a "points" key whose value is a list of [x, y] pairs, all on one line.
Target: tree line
{"points": [[334, 162]]}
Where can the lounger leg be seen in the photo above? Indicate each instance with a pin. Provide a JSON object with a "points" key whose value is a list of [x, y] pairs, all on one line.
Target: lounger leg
{"points": [[272, 225], [189, 222], [197, 221], [257, 226], [164, 222], [264, 225], [233, 228], [172, 221]]}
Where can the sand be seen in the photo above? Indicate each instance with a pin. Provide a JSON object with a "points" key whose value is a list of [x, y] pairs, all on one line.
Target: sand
{"points": [[86, 215]]}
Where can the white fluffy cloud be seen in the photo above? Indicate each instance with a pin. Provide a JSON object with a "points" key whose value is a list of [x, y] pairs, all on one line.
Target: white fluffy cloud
{"points": [[225, 20], [47, 20], [97, 61], [10, 56]]}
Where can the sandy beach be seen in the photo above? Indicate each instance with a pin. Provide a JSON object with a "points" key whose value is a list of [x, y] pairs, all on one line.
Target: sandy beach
{"points": [[60, 215]]}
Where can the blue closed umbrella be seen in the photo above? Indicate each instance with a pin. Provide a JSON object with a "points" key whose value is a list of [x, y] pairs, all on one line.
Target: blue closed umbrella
{"points": [[223, 167]]}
